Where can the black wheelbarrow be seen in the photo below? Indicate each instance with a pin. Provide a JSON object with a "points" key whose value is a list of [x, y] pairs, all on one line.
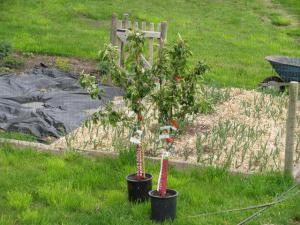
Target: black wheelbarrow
{"points": [[288, 70]]}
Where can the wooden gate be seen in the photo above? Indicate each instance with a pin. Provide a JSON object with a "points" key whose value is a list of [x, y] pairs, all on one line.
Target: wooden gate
{"points": [[119, 34]]}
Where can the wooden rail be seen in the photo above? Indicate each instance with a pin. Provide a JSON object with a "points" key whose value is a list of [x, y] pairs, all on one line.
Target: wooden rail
{"points": [[119, 33]]}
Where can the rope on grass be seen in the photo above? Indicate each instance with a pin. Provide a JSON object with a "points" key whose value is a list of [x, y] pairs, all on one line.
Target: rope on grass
{"points": [[263, 207], [281, 197], [240, 209]]}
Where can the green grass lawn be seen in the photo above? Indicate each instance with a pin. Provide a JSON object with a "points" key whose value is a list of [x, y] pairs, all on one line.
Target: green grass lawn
{"points": [[232, 36], [39, 188]]}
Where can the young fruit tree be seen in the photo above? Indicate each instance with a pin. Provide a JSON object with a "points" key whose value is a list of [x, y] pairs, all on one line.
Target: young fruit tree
{"points": [[176, 97], [136, 82]]}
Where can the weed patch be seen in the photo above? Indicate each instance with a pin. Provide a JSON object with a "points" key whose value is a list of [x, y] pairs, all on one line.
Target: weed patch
{"points": [[279, 20], [19, 200]]}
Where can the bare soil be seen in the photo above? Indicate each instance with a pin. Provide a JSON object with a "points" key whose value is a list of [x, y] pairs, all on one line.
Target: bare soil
{"points": [[76, 65]]}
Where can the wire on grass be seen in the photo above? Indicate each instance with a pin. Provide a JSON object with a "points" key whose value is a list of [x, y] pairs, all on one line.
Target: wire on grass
{"points": [[238, 209], [262, 207]]}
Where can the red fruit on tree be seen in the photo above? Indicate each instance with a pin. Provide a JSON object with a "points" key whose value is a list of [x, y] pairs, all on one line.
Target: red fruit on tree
{"points": [[174, 123], [169, 140], [140, 117], [178, 77]]}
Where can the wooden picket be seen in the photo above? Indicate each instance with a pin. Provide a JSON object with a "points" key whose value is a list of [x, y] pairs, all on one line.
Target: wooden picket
{"points": [[119, 33]]}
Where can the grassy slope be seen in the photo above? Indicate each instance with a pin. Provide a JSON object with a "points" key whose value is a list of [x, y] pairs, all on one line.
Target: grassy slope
{"points": [[292, 5], [38, 188], [232, 36]]}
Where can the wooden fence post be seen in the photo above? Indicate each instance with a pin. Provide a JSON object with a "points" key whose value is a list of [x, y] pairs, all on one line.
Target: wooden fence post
{"points": [[290, 128], [163, 30], [151, 45], [125, 20], [113, 31], [125, 24], [119, 25]]}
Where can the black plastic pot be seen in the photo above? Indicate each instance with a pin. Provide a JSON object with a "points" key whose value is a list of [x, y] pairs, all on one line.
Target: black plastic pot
{"points": [[138, 189], [163, 208]]}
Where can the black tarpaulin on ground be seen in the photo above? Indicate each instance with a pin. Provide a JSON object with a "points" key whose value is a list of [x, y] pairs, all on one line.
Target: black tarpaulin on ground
{"points": [[46, 102]]}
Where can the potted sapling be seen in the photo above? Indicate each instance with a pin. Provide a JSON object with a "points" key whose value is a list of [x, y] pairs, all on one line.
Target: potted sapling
{"points": [[176, 98], [136, 83]]}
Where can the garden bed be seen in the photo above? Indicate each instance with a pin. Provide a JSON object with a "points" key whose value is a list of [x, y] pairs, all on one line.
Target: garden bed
{"points": [[245, 132]]}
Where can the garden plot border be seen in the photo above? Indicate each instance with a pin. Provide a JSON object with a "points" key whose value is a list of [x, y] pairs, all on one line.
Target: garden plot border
{"points": [[94, 153], [178, 164]]}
